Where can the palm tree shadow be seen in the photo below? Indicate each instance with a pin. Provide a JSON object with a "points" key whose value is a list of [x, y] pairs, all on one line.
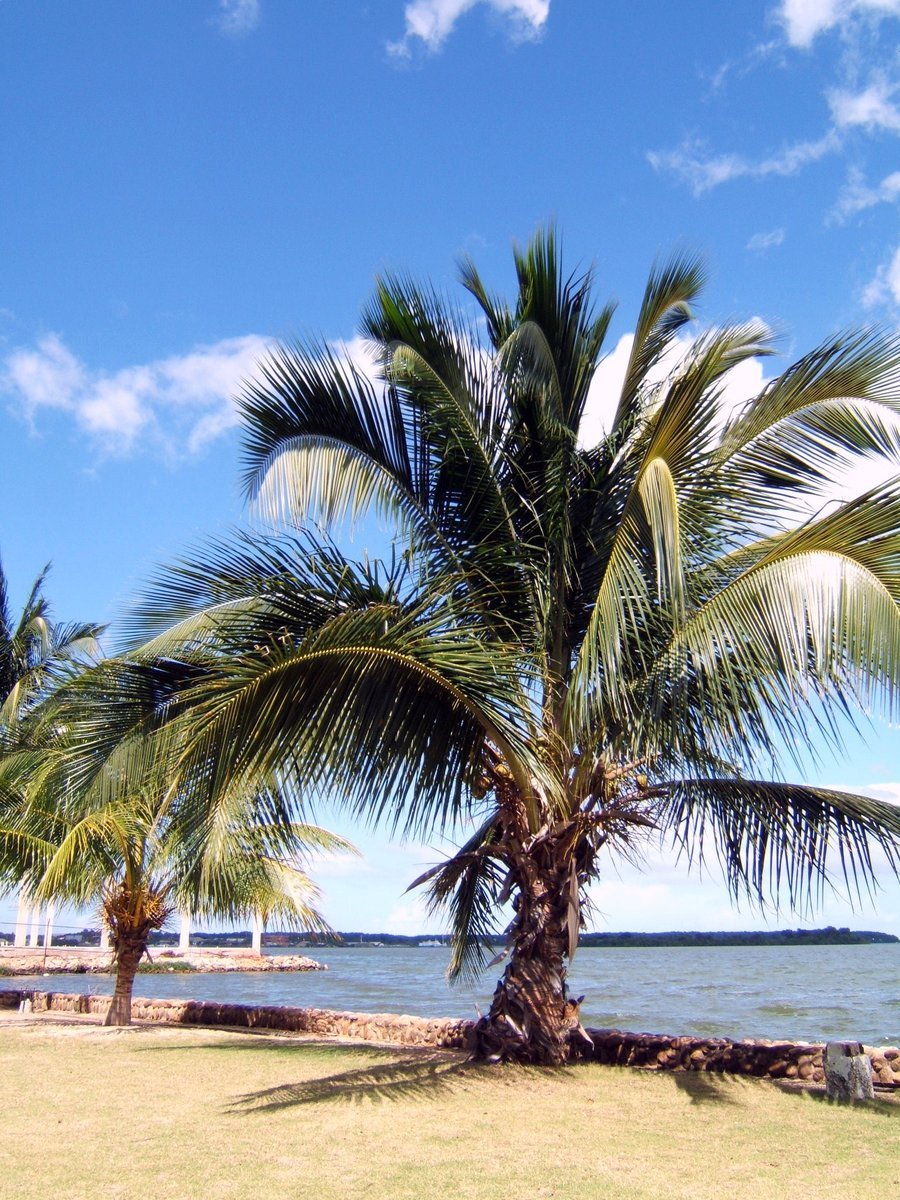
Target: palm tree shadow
{"points": [[254, 1041], [704, 1087], [882, 1106], [418, 1077]]}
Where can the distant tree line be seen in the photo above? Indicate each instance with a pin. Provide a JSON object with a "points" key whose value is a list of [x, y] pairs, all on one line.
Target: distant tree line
{"points": [[829, 936]]}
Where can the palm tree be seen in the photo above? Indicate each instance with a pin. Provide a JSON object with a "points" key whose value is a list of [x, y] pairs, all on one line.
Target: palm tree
{"points": [[36, 655], [572, 646], [36, 652], [88, 816]]}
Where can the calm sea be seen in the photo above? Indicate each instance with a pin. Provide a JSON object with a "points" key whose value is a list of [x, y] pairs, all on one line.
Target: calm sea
{"points": [[813, 993]]}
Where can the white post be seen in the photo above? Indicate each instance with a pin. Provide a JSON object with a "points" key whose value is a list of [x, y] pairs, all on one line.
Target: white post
{"points": [[256, 936], [104, 935], [22, 914], [48, 926], [184, 937], [35, 927]]}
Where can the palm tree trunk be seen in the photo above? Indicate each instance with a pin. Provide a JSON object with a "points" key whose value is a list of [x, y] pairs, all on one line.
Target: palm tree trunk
{"points": [[129, 950], [531, 1018]]}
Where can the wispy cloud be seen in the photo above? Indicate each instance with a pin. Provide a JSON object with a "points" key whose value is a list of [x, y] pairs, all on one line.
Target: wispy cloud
{"points": [[178, 404], [431, 22], [857, 195], [761, 242], [702, 171], [236, 18], [739, 67], [884, 288], [804, 20], [864, 99], [873, 108]]}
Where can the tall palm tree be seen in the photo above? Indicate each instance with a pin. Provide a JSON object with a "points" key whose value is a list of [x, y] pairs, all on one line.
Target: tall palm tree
{"points": [[89, 815], [572, 646]]}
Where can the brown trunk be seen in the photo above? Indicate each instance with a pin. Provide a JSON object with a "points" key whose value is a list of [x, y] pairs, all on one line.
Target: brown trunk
{"points": [[531, 1018], [128, 951], [131, 913]]}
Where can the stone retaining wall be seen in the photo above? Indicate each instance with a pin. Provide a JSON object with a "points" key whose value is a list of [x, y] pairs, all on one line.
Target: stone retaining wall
{"points": [[774, 1060], [322, 1022]]}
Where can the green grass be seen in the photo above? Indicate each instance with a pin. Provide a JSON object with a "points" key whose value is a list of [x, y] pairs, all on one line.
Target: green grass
{"points": [[169, 1113], [178, 967]]}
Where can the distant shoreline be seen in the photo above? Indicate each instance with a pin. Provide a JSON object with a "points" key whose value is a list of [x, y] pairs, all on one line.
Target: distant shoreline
{"points": [[828, 936]]}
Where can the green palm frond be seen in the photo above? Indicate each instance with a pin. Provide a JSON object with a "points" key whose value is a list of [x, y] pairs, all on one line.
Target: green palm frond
{"points": [[327, 708], [774, 839], [839, 401], [465, 888], [665, 309]]}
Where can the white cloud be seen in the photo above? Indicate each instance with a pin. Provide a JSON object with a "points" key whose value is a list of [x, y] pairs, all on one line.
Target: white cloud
{"points": [[858, 196], [603, 394], [361, 354], [339, 866], [237, 17], [760, 242], [871, 109], [115, 410], [884, 288], [857, 103], [48, 376], [737, 68], [180, 403], [703, 171], [744, 380], [804, 20], [431, 22], [410, 917], [890, 792]]}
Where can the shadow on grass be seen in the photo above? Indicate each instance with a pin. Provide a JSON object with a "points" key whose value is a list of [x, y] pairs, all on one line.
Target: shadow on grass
{"points": [[418, 1078], [881, 1106], [704, 1087], [422, 1076], [249, 1040]]}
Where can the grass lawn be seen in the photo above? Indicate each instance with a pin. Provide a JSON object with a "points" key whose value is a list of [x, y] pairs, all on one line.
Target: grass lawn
{"points": [[165, 1113]]}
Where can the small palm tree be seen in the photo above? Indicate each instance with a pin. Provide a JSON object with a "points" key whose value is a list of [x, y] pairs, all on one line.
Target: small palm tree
{"points": [[35, 651], [36, 655], [88, 815], [574, 645]]}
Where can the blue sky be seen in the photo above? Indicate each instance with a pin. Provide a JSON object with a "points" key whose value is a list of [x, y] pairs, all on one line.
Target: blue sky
{"points": [[182, 184]]}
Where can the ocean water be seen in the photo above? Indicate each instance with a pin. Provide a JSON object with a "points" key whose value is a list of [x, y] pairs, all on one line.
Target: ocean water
{"points": [[806, 993]]}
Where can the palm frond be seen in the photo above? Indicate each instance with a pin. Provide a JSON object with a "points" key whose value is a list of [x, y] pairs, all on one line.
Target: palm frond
{"points": [[665, 309], [840, 399], [774, 839], [466, 887]]}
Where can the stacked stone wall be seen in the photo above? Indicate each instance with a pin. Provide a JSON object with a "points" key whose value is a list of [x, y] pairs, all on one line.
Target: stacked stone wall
{"points": [[438, 1032], [774, 1060]]}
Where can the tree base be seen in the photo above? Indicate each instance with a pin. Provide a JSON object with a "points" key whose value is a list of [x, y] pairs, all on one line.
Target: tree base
{"points": [[119, 1012], [500, 1038]]}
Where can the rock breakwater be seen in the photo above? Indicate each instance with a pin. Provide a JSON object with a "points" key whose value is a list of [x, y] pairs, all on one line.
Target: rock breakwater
{"points": [[80, 961]]}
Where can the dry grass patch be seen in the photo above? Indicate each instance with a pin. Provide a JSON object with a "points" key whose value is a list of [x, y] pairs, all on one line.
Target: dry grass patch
{"points": [[170, 1113]]}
